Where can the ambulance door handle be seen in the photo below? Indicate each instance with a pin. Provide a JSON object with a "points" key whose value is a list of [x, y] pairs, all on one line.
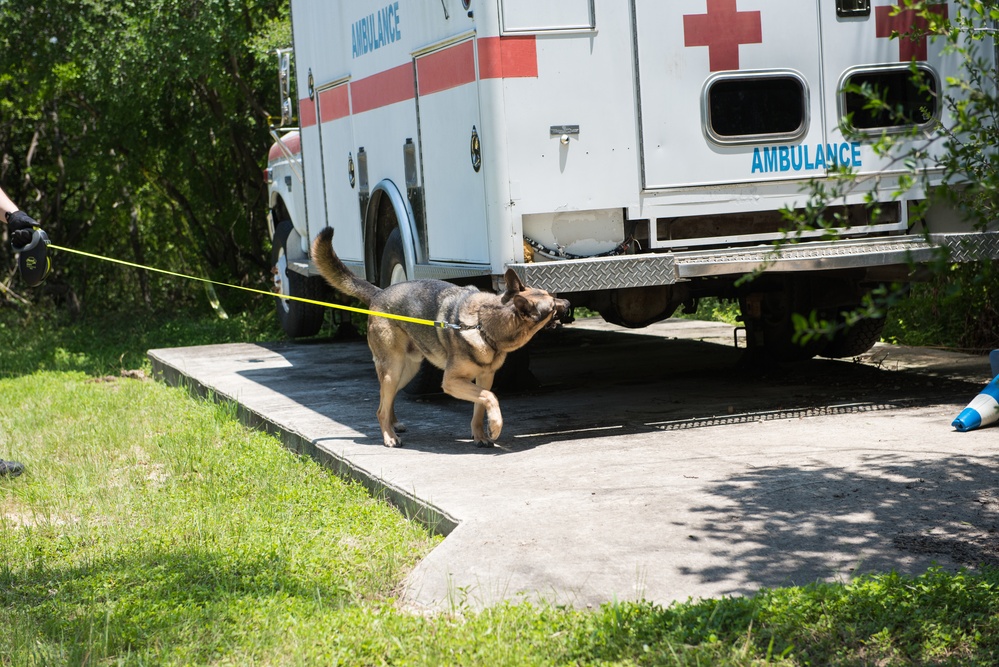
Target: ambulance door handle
{"points": [[563, 132]]}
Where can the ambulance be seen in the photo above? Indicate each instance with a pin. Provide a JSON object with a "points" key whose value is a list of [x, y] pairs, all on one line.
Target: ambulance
{"points": [[632, 156]]}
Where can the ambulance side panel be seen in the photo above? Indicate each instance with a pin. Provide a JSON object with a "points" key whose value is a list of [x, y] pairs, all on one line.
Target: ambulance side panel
{"points": [[339, 171], [572, 125], [451, 153]]}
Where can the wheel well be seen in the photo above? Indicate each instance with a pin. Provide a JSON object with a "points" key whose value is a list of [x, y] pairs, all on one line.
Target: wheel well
{"points": [[280, 210]]}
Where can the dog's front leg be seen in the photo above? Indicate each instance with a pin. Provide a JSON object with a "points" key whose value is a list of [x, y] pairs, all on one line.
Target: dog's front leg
{"points": [[485, 402], [479, 424]]}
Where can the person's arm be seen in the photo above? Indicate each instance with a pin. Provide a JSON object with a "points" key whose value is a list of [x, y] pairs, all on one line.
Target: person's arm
{"points": [[21, 224], [6, 205]]}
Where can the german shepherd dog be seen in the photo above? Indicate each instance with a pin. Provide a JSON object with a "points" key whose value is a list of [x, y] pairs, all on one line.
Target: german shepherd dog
{"points": [[491, 326]]}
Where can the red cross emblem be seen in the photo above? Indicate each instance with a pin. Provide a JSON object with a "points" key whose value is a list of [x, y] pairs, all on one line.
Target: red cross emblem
{"points": [[722, 30], [910, 27]]}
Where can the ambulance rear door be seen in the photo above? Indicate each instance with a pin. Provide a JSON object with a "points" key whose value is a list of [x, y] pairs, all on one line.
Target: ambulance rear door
{"points": [[858, 49], [730, 91]]}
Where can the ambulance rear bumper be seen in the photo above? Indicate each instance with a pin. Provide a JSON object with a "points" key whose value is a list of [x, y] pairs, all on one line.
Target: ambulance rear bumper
{"points": [[582, 275]]}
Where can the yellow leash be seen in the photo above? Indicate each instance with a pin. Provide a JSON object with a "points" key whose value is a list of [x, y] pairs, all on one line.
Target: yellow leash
{"points": [[403, 318]]}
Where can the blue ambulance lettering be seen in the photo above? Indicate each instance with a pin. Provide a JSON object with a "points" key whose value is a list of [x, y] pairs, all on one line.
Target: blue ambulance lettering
{"points": [[771, 159], [375, 30]]}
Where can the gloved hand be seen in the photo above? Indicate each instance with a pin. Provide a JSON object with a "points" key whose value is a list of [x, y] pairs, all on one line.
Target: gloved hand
{"points": [[21, 227], [30, 243]]}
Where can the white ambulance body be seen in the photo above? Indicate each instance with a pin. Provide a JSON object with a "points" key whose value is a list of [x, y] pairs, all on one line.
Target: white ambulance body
{"points": [[631, 155]]}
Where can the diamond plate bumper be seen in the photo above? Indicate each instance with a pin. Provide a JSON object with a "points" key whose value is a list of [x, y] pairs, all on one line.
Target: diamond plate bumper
{"points": [[581, 275], [970, 247]]}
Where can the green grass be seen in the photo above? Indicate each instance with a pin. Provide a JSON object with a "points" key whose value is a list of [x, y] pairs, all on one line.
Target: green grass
{"points": [[49, 340], [156, 525], [152, 528], [715, 310]]}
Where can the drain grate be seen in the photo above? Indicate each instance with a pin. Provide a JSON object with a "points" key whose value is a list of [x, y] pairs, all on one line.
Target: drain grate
{"points": [[775, 415]]}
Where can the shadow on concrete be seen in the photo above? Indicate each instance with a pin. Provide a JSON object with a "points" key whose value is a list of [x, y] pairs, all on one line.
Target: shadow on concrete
{"points": [[598, 383], [782, 521]]}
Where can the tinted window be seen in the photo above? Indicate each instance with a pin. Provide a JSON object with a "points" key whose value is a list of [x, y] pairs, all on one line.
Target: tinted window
{"points": [[911, 99], [853, 7], [743, 107]]}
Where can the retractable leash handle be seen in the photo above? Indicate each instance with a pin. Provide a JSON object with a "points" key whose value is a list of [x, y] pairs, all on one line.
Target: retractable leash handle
{"points": [[33, 259]]}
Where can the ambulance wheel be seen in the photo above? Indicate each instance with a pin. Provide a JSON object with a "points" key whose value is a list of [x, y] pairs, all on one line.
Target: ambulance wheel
{"points": [[856, 340], [772, 336], [297, 319], [392, 269]]}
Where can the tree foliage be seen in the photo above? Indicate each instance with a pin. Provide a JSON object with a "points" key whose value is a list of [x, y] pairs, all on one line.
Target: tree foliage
{"points": [[138, 130]]}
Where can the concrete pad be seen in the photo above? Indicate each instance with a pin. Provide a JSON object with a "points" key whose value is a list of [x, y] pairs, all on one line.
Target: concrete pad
{"points": [[648, 464]]}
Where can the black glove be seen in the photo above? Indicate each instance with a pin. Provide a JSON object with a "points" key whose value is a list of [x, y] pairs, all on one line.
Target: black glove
{"points": [[31, 243], [21, 227]]}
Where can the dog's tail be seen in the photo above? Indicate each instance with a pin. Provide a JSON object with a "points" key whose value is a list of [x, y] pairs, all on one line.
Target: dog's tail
{"points": [[336, 273]]}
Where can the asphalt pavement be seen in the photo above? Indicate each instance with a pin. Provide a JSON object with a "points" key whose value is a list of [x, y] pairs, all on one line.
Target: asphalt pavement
{"points": [[652, 464]]}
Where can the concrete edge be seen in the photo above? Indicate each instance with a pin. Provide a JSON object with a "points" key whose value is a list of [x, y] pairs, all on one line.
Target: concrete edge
{"points": [[433, 518]]}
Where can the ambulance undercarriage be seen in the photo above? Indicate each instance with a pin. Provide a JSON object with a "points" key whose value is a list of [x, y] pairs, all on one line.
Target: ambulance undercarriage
{"points": [[632, 156]]}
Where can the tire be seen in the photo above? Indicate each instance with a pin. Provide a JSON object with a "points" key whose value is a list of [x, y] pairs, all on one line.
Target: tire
{"points": [[856, 340], [298, 319], [773, 334], [392, 268]]}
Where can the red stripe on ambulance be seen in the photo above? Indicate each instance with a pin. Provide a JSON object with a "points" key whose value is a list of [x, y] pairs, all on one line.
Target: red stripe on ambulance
{"points": [[508, 57], [306, 112], [382, 89], [499, 58], [446, 69], [334, 104]]}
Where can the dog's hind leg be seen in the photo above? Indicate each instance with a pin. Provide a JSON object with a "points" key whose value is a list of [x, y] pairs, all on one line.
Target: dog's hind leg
{"points": [[394, 372], [485, 401], [409, 370], [390, 374]]}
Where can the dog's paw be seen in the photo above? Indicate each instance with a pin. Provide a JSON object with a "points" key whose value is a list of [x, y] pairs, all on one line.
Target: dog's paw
{"points": [[392, 441], [485, 444], [400, 427], [495, 426]]}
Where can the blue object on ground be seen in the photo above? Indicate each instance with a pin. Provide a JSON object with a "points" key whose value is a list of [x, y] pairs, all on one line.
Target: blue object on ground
{"points": [[983, 409]]}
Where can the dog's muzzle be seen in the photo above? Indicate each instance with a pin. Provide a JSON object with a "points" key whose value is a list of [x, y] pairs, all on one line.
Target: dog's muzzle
{"points": [[563, 314]]}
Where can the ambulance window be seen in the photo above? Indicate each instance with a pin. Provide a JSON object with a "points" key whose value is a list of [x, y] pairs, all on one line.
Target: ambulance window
{"points": [[909, 99], [748, 108], [846, 8]]}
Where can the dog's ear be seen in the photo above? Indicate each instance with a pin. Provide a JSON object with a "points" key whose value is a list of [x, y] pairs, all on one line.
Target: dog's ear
{"points": [[513, 282], [525, 307]]}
